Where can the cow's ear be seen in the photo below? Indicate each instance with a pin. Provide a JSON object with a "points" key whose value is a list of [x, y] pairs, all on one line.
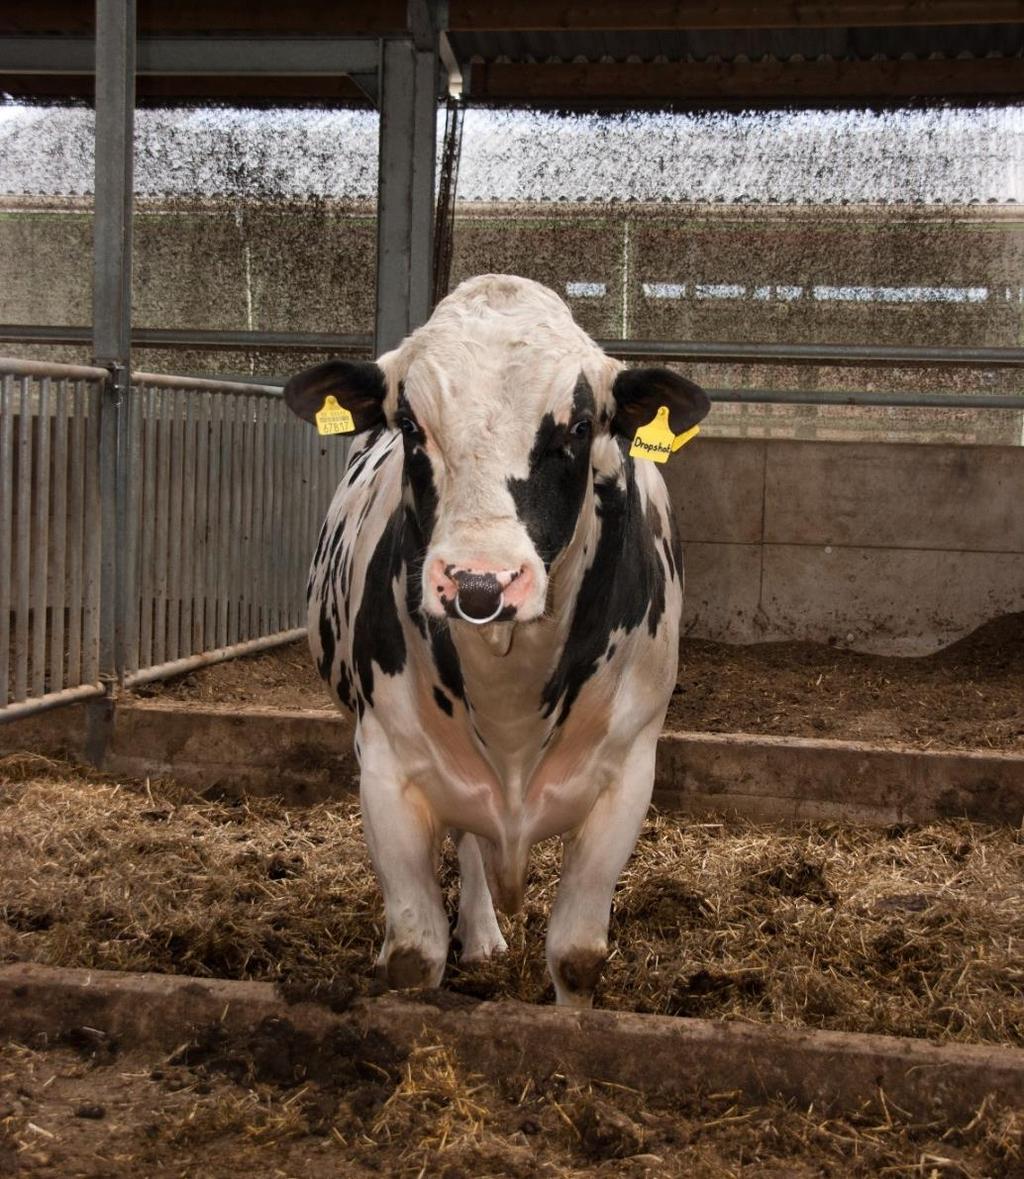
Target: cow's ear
{"points": [[640, 392], [357, 385]]}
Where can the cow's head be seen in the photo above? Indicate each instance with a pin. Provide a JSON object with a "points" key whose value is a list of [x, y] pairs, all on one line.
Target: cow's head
{"points": [[508, 412]]}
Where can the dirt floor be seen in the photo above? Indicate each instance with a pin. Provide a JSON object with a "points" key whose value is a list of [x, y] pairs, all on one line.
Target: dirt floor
{"points": [[92, 1112], [906, 931], [970, 695]]}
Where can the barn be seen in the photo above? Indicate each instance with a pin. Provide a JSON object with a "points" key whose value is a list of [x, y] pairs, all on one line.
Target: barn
{"points": [[812, 211]]}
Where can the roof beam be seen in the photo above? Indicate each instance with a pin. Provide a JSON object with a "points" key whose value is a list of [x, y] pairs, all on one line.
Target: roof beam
{"points": [[538, 15], [710, 82], [198, 56]]}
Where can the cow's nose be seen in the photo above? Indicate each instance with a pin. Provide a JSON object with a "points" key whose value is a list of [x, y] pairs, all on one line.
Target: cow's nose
{"points": [[479, 597]]}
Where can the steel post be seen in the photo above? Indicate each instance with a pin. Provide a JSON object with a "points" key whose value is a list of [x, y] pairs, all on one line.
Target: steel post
{"points": [[405, 197], [112, 277]]}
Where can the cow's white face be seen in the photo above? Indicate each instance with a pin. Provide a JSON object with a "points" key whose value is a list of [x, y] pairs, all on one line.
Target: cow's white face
{"points": [[507, 412], [497, 467]]}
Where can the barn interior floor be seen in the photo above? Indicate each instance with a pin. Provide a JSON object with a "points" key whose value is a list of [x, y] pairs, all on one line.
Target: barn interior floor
{"points": [[968, 696]]}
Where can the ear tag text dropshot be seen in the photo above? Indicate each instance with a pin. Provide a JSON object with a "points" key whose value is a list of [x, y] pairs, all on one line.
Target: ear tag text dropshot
{"points": [[656, 442], [333, 418]]}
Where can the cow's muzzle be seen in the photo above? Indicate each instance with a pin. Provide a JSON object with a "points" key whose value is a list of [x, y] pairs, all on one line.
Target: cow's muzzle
{"points": [[480, 597]]}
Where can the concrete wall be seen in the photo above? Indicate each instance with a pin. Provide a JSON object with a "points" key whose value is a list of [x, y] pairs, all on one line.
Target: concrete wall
{"points": [[889, 549]]}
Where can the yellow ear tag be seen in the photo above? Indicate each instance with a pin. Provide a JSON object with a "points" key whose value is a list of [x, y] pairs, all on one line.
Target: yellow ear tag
{"points": [[682, 439], [654, 441], [333, 418]]}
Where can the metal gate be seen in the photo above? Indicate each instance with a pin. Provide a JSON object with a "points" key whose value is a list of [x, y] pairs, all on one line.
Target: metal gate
{"points": [[180, 539]]}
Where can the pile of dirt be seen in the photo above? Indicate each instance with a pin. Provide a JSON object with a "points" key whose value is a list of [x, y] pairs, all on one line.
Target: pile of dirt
{"points": [[907, 931], [68, 1114], [968, 696]]}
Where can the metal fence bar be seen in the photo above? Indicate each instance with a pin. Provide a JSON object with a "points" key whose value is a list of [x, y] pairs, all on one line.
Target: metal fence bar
{"points": [[215, 491], [147, 491], [188, 554], [197, 639], [248, 408], [224, 525], [176, 429], [76, 529], [130, 527], [6, 529], [59, 517], [93, 534], [40, 539], [23, 542], [163, 502]]}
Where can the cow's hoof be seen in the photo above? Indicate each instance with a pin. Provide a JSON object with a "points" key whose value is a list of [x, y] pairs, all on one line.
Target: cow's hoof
{"points": [[576, 976], [480, 948], [408, 968]]}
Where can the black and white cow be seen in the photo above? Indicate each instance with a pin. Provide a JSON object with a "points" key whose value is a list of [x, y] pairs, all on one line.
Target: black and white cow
{"points": [[496, 594]]}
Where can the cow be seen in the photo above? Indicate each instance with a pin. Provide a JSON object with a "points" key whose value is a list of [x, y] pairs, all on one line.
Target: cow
{"points": [[496, 594]]}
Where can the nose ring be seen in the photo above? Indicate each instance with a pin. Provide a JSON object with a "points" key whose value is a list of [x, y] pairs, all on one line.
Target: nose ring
{"points": [[479, 621]]}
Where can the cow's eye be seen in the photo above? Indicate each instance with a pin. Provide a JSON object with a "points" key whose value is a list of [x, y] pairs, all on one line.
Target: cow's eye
{"points": [[581, 429], [408, 426]]}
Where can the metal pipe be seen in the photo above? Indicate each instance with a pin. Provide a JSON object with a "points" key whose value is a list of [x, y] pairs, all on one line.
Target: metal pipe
{"points": [[262, 541], [24, 708], [225, 439], [908, 400], [17, 367], [147, 525], [200, 385], [208, 658], [40, 539], [839, 354], [194, 338]]}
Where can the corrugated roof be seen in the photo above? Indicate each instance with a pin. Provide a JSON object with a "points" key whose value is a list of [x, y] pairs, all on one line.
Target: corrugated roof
{"points": [[929, 156]]}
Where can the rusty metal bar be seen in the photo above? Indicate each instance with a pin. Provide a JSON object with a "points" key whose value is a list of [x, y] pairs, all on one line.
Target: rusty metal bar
{"points": [[224, 526], [208, 658], [175, 429], [93, 538], [147, 493], [24, 708], [189, 557], [163, 508], [40, 539], [197, 639]]}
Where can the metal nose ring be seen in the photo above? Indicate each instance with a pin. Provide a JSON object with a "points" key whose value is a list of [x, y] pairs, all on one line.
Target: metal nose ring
{"points": [[479, 621]]}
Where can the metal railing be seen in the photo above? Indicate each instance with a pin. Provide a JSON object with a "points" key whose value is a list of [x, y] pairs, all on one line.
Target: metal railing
{"points": [[201, 555]]}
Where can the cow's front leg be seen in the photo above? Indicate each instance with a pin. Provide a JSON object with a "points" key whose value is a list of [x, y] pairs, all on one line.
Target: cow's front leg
{"points": [[594, 856], [404, 839], [477, 929]]}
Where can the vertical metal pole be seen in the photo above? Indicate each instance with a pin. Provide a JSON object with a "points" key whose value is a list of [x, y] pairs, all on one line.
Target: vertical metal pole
{"points": [[111, 303], [405, 195]]}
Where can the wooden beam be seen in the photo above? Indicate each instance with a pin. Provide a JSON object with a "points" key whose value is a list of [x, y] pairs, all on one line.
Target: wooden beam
{"points": [[712, 82], [536, 15]]}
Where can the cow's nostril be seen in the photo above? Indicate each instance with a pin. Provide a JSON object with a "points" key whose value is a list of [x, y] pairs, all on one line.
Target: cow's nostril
{"points": [[480, 596]]}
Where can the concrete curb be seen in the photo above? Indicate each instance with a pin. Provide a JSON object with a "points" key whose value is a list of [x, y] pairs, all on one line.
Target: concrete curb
{"points": [[834, 1071], [306, 757]]}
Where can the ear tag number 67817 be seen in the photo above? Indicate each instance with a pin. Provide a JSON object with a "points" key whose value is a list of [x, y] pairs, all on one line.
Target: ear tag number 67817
{"points": [[333, 418]]}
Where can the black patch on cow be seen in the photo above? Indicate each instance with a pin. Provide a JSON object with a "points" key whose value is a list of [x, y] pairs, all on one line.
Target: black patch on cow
{"points": [[326, 646], [640, 392], [446, 658], [624, 583], [358, 385], [670, 561], [442, 702], [344, 688], [549, 499], [377, 634]]}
